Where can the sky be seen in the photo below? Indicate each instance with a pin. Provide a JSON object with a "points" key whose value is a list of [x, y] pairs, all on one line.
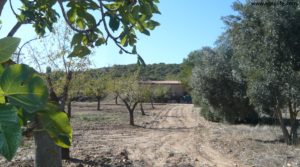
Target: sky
{"points": [[185, 26]]}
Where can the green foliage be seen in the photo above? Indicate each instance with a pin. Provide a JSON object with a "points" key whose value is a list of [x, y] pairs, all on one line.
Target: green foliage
{"points": [[271, 72], [266, 53], [210, 114], [23, 87], [161, 93], [129, 89], [186, 68], [215, 87], [10, 131], [159, 71], [124, 19], [97, 86], [57, 125], [8, 46], [23, 92]]}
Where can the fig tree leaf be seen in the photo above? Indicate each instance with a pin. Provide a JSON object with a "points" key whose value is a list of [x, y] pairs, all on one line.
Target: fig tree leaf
{"points": [[23, 87], [7, 47], [10, 131], [57, 125]]}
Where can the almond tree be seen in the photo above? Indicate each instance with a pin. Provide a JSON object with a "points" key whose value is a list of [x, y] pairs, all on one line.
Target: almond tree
{"points": [[131, 94], [97, 87]]}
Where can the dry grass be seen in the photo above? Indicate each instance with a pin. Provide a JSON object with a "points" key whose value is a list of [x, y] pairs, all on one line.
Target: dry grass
{"points": [[259, 146]]}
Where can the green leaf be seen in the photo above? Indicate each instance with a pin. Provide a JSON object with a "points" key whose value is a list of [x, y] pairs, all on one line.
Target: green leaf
{"points": [[2, 97], [155, 9], [100, 41], [134, 50], [152, 24], [146, 9], [23, 87], [114, 6], [80, 23], [114, 23], [90, 19], [135, 12], [124, 40], [8, 46], [80, 51], [57, 125], [132, 39], [77, 38], [72, 14], [1, 69], [145, 31], [10, 131], [141, 61]]}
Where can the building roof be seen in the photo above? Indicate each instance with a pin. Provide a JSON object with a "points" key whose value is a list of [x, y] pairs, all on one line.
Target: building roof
{"points": [[161, 82]]}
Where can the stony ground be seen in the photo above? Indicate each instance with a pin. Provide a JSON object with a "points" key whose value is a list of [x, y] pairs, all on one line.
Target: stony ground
{"points": [[169, 135]]}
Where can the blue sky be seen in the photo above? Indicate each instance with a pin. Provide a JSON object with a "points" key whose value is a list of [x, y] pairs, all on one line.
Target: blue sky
{"points": [[185, 26]]}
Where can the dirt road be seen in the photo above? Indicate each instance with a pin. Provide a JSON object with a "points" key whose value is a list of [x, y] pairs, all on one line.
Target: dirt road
{"points": [[173, 135]]}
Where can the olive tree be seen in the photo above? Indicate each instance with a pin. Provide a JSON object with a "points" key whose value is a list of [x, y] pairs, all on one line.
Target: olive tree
{"points": [[265, 42], [218, 91], [187, 67]]}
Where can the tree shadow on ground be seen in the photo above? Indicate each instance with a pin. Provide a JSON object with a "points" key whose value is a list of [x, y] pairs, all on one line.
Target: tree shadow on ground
{"points": [[275, 141], [274, 121]]}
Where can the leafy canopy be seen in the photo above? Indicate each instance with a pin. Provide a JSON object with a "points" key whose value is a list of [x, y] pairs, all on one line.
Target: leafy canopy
{"points": [[95, 22]]}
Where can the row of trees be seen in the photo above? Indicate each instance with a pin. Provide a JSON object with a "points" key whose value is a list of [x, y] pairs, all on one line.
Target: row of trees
{"points": [[254, 67], [84, 86], [70, 79]]}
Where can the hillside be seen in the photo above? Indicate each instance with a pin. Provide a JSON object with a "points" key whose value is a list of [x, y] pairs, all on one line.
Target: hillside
{"points": [[159, 71]]}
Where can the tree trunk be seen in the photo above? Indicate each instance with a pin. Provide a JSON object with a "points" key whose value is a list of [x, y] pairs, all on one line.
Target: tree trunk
{"points": [[142, 109], [285, 132], [294, 127], [65, 93], [116, 100], [98, 104], [151, 100], [47, 153], [131, 119], [69, 108], [293, 121], [130, 109], [65, 152]]}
